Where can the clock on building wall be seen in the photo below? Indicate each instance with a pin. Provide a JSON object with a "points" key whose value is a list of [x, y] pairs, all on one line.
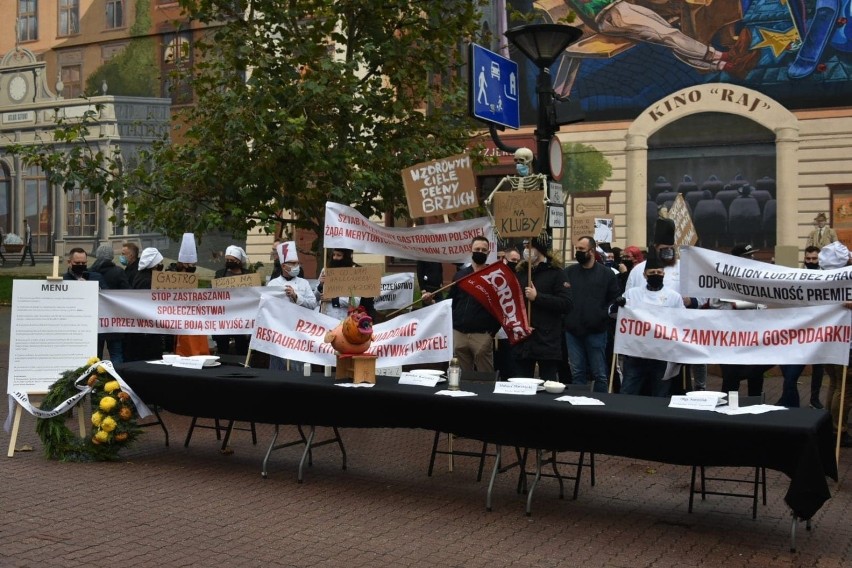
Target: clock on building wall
{"points": [[17, 88]]}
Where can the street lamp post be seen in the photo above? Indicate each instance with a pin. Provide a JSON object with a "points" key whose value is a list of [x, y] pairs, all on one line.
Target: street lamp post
{"points": [[543, 44]]}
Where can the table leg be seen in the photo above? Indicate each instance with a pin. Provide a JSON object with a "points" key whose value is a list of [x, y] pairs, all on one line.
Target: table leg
{"points": [[494, 471], [340, 443], [269, 451], [306, 452], [535, 481]]}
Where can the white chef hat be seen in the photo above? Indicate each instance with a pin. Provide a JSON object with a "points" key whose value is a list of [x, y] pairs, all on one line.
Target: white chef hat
{"points": [[187, 249], [150, 258], [833, 255], [237, 253], [287, 252]]}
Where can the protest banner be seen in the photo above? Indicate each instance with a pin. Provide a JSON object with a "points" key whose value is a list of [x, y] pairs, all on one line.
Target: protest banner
{"points": [[685, 233], [440, 187], [362, 281], [519, 213], [181, 312], [162, 280], [292, 332], [793, 336], [499, 292], [397, 291], [707, 273], [583, 226], [446, 242], [250, 280]]}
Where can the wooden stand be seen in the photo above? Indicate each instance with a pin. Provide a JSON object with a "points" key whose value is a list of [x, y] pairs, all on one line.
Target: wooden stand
{"points": [[16, 422], [359, 368]]}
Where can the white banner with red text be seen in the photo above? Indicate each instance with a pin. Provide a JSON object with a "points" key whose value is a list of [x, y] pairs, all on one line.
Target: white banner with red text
{"points": [[220, 311], [707, 273], [292, 332], [443, 242], [817, 334]]}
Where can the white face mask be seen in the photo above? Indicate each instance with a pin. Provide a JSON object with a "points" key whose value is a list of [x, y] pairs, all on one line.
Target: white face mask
{"points": [[295, 271], [530, 257]]}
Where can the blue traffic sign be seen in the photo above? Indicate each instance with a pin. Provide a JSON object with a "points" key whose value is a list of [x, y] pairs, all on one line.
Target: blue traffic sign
{"points": [[493, 87]]}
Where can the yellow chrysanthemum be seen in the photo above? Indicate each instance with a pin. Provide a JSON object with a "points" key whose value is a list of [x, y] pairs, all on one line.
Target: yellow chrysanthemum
{"points": [[108, 424], [92, 361], [107, 403], [101, 436], [96, 418], [101, 369], [111, 386]]}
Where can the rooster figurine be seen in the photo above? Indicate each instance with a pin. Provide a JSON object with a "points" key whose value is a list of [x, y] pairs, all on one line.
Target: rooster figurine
{"points": [[354, 334]]}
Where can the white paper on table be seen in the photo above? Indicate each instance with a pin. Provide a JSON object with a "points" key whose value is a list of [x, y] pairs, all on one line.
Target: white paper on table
{"points": [[158, 362], [753, 409], [355, 385], [505, 387], [409, 378], [581, 400], [188, 363], [456, 393]]}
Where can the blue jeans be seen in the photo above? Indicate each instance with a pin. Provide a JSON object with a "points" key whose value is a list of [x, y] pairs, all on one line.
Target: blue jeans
{"points": [[790, 390], [645, 376], [587, 355]]}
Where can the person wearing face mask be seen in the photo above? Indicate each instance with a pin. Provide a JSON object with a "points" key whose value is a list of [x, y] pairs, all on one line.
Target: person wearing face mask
{"points": [[643, 375], [112, 278], [129, 259], [817, 370], [664, 245], [595, 288], [549, 298], [235, 265], [297, 290], [473, 326], [503, 360], [339, 307], [276, 262], [188, 345], [78, 268], [145, 346]]}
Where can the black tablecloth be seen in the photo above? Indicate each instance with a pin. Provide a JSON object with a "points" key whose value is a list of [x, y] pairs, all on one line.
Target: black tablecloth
{"points": [[797, 442]]}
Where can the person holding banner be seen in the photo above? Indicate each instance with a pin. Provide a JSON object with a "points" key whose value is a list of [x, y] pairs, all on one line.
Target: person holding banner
{"points": [[112, 278], [811, 262], [297, 290], [339, 307], [473, 325], [145, 346], [188, 345], [549, 298], [236, 263], [645, 375], [503, 360]]}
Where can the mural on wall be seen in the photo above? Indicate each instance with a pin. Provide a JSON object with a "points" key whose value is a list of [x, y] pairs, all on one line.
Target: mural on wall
{"points": [[633, 53]]}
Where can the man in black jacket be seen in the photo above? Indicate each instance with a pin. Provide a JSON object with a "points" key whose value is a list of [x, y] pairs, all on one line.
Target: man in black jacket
{"points": [[596, 287], [550, 300], [112, 278], [473, 326]]}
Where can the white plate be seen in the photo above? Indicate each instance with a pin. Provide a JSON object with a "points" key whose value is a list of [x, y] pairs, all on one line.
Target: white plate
{"points": [[527, 381], [426, 372], [215, 364], [708, 394]]}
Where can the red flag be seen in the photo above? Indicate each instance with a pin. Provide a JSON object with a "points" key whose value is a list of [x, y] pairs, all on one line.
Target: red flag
{"points": [[498, 290]]}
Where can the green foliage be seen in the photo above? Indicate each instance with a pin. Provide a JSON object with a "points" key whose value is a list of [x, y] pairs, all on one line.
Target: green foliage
{"points": [[134, 71], [585, 168]]}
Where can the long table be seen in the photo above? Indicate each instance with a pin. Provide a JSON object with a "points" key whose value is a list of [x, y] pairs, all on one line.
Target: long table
{"points": [[797, 442]]}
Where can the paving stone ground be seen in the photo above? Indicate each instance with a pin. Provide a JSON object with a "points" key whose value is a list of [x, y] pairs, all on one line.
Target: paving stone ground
{"points": [[174, 506]]}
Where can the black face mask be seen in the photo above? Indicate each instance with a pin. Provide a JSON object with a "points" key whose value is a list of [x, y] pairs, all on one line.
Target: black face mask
{"points": [[628, 264], [479, 257], [812, 265], [512, 265], [342, 263], [233, 265], [78, 269], [655, 282], [581, 256], [187, 269]]}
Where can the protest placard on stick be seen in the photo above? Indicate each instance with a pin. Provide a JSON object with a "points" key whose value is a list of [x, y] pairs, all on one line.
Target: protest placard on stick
{"points": [[162, 280], [440, 187], [519, 213], [363, 281], [240, 281]]}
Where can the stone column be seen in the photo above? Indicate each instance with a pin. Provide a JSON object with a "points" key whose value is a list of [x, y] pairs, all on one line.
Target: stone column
{"points": [[787, 194], [636, 185]]}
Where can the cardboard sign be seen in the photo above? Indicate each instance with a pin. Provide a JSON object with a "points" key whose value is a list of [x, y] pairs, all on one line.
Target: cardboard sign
{"points": [[582, 227], [363, 281], [440, 187], [519, 213], [162, 280], [685, 233], [240, 281]]}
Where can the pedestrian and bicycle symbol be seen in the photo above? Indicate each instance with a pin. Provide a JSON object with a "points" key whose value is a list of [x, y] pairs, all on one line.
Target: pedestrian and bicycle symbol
{"points": [[493, 87]]}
